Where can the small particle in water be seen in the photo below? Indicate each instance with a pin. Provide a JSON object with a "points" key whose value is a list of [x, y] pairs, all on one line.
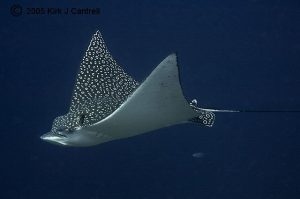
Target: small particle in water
{"points": [[198, 155]]}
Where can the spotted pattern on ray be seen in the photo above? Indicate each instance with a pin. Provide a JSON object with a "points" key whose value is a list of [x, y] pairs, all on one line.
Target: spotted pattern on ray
{"points": [[100, 76], [86, 114], [101, 87], [206, 118]]}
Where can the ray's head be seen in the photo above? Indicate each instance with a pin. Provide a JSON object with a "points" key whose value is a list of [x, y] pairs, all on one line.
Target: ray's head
{"points": [[66, 130]]}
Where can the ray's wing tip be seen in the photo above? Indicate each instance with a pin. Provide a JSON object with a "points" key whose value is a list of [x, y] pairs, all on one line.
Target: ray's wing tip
{"points": [[173, 55], [172, 58], [98, 33]]}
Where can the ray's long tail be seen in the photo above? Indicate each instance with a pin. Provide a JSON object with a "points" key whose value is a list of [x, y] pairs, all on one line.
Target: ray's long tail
{"points": [[207, 116]]}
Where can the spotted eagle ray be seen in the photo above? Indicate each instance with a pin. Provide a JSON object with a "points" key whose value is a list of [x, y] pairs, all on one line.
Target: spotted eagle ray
{"points": [[107, 104]]}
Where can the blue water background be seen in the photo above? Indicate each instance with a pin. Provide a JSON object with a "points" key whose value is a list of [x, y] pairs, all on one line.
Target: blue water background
{"points": [[232, 55]]}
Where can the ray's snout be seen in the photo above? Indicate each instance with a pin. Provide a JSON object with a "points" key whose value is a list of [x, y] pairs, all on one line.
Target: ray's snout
{"points": [[47, 137], [44, 136], [54, 139]]}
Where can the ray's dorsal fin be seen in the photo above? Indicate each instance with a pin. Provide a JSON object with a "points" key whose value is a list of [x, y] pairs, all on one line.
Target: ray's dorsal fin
{"points": [[100, 76]]}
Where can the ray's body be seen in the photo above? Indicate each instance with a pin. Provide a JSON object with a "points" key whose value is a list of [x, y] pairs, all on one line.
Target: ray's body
{"points": [[107, 104]]}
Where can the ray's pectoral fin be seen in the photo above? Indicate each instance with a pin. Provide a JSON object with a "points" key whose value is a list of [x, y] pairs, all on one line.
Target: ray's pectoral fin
{"points": [[158, 102]]}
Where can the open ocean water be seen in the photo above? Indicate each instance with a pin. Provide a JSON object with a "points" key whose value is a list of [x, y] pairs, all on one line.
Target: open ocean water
{"points": [[232, 55]]}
